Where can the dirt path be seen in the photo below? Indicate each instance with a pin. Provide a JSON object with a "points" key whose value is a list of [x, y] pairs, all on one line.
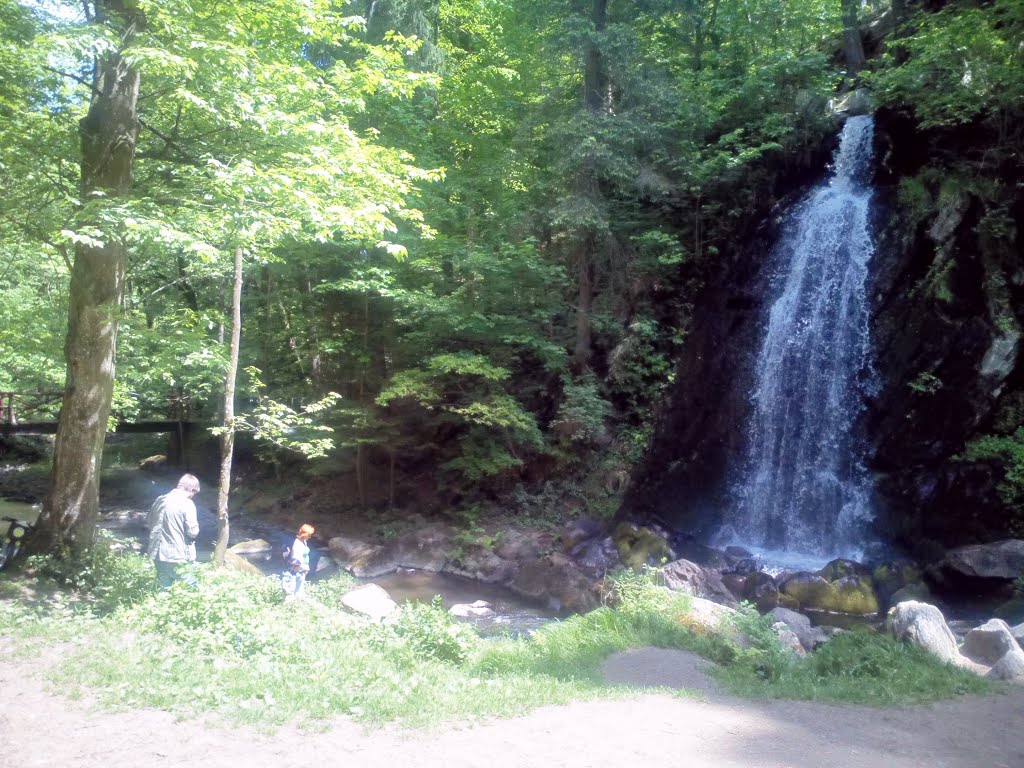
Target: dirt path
{"points": [[39, 729]]}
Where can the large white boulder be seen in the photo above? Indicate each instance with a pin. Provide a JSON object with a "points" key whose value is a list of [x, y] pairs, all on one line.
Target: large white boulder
{"points": [[989, 643], [1010, 667], [370, 600], [923, 625]]}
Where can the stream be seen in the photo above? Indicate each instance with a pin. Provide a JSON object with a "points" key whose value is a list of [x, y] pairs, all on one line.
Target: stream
{"points": [[512, 614]]}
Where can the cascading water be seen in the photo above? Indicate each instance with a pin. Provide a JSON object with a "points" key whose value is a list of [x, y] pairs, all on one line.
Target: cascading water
{"points": [[802, 489]]}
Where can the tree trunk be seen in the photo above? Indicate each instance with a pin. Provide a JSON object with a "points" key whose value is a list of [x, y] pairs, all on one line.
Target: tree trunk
{"points": [[595, 97], [852, 45], [108, 134], [228, 438]]}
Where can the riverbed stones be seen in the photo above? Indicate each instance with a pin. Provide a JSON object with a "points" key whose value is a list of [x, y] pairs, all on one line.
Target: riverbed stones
{"points": [[370, 600], [810, 637], [684, 576], [988, 643], [760, 589], [923, 625], [482, 564], [596, 556], [478, 609], [558, 582]]}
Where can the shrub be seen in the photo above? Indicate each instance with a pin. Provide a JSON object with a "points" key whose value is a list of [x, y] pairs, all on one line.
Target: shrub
{"points": [[427, 630]]}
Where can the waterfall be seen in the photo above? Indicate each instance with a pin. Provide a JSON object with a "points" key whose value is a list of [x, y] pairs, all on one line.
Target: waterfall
{"points": [[802, 487]]}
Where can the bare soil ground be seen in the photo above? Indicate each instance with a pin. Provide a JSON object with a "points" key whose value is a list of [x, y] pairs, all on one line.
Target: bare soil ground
{"points": [[41, 729]]}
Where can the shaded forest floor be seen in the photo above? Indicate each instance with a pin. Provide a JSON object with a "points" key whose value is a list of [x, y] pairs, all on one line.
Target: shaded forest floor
{"points": [[695, 727]]}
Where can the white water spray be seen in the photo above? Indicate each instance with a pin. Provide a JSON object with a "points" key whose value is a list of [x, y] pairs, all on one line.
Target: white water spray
{"points": [[802, 489]]}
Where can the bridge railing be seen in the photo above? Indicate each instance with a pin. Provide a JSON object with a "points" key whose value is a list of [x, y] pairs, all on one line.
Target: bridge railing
{"points": [[30, 405]]}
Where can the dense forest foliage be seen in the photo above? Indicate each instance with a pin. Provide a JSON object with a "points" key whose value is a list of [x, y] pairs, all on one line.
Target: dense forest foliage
{"points": [[472, 231]]}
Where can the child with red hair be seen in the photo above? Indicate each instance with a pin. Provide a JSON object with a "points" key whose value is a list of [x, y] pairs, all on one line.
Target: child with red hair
{"points": [[299, 562]]}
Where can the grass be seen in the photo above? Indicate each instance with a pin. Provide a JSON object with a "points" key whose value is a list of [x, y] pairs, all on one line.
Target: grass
{"points": [[232, 648]]}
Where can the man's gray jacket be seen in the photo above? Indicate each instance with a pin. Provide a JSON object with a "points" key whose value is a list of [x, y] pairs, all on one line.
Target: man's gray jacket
{"points": [[173, 528]]}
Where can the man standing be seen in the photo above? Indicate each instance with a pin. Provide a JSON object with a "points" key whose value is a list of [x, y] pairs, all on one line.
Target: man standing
{"points": [[173, 529]]}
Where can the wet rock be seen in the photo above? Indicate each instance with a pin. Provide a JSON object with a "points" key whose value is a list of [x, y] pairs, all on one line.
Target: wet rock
{"points": [[251, 547], [519, 545], [684, 576], [345, 549], [855, 102], [760, 589], [923, 625], [596, 556], [556, 581], [746, 566], [476, 609], [687, 548], [734, 582], [370, 600], [837, 569], [425, 549], [988, 643], [575, 531], [481, 564], [734, 554]]}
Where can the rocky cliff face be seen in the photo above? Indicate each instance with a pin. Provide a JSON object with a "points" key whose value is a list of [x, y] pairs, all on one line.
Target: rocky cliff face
{"points": [[946, 336], [947, 294]]}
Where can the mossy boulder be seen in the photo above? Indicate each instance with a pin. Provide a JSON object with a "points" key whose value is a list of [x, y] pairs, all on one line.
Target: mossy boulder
{"points": [[854, 595], [850, 594], [892, 577], [840, 568], [809, 590], [638, 547]]}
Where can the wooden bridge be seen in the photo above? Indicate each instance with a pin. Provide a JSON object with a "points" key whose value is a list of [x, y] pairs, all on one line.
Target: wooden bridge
{"points": [[33, 413]]}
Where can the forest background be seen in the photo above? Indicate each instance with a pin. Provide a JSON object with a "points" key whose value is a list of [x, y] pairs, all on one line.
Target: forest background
{"points": [[470, 233]]}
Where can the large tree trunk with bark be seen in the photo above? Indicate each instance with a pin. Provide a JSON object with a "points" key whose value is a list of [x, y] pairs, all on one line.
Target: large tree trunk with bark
{"points": [[108, 134], [595, 97]]}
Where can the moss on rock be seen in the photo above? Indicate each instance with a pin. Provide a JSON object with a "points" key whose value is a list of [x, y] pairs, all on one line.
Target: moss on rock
{"points": [[850, 594], [640, 546]]}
